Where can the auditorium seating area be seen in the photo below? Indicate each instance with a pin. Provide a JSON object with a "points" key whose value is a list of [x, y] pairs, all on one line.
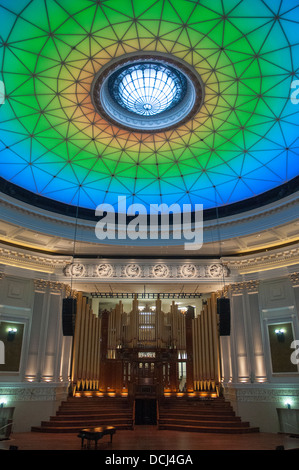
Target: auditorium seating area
{"points": [[212, 416], [77, 413], [183, 414]]}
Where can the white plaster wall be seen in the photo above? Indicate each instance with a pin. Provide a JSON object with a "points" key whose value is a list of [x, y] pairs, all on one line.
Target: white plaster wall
{"points": [[37, 388], [259, 404], [253, 389]]}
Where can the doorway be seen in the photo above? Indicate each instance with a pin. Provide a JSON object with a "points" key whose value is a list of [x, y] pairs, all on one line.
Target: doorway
{"points": [[145, 411]]}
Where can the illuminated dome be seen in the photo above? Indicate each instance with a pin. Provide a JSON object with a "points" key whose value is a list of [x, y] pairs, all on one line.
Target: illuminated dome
{"points": [[239, 141], [147, 89]]}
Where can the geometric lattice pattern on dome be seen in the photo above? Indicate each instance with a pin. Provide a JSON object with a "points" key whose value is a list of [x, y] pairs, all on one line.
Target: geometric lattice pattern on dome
{"points": [[241, 143]]}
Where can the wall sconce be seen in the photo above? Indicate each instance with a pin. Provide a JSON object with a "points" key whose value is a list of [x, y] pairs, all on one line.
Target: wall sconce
{"points": [[280, 334], [288, 403], [11, 332]]}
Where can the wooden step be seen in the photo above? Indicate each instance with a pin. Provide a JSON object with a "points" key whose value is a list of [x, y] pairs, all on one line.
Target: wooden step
{"points": [[94, 405], [196, 406], [191, 410], [196, 402], [196, 412], [77, 413], [86, 422], [203, 417], [203, 423], [76, 406], [101, 401], [220, 429], [97, 414], [92, 412], [182, 415], [83, 417], [73, 429]]}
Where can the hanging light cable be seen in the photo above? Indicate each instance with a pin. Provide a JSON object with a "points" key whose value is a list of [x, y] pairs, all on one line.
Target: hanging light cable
{"points": [[69, 304]]}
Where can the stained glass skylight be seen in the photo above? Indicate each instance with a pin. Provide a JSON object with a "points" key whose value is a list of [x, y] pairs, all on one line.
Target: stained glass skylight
{"points": [[148, 89], [161, 91], [242, 141]]}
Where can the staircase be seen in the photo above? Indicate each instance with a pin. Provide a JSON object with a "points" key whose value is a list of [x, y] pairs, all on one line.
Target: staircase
{"points": [[198, 415], [179, 414], [77, 413]]}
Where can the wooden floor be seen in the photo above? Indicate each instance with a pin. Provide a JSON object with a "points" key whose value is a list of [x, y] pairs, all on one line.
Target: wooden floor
{"points": [[149, 438]]}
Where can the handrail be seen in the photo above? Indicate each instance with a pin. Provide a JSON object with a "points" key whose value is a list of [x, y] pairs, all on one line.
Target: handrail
{"points": [[5, 426], [134, 413]]}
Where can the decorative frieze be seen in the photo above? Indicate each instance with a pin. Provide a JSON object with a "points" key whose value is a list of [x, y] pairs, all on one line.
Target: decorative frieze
{"points": [[161, 271], [261, 394], [295, 279], [36, 392], [147, 270], [132, 271], [104, 270], [189, 271], [41, 284], [249, 286]]}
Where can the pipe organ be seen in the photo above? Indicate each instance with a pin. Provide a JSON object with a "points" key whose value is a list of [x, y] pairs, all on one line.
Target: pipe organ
{"points": [[85, 362], [146, 351], [206, 354]]}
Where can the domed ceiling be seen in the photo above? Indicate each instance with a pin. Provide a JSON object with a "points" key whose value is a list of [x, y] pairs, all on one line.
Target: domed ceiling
{"points": [[240, 142]]}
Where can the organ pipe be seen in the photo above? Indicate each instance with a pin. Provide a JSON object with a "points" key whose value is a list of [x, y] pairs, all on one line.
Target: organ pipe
{"points": [[86, 347], [206, 364]]}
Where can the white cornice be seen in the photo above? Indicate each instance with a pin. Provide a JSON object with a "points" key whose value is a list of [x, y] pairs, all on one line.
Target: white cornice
{"points": [[28, 260], [285, 257], [236, 230]]}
